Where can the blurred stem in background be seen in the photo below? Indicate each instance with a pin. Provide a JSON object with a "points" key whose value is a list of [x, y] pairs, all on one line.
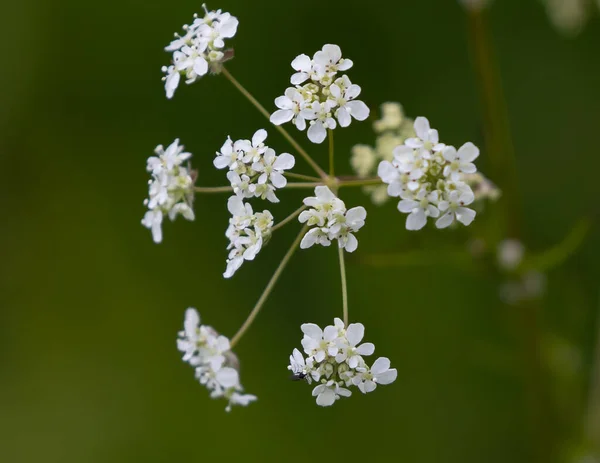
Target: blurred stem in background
{"points": [[502, 168], [592, 425]]}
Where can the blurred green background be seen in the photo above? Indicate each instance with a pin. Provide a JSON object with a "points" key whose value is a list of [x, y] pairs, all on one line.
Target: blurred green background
{"points": [[90, 306]]}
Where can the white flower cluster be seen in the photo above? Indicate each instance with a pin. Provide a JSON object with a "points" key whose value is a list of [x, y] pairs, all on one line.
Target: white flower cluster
{"points": [[254, 168], [201, 48], [331, 221], [171, 188], [247, 232], [569, 16], [428, 176], [216, 366], [324, 98], [393, 129], [335, 360]]}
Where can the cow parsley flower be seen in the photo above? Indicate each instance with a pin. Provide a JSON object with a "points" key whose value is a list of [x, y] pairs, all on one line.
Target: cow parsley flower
{"points": [[332, 220], [255, 170], [200, 49], [247, 232], [336, 360], [215, 364], [170, 191], [320, 96], [431, 178], [393, 128]]}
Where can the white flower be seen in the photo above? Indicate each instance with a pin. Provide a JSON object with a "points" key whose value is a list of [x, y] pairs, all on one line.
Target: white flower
{"points": [[170, 191], [290, 106], [210, 354], [304, 67], [347, 107], [153, 221], [320, 116], [510, 254], [228, 156], [253, 150], [461, 162], [272, 168], [419, 208], [427, 139], [247, 233], [352, 352], [332, 220], [379, 373], [319, 343], [329, 60], [199, 49], [454, 208], [335, 358], [363, 160], [242, 184], [328, 392]]}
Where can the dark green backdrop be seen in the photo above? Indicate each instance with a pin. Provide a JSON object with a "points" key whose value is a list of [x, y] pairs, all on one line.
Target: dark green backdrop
{"points": [[90, 306]]}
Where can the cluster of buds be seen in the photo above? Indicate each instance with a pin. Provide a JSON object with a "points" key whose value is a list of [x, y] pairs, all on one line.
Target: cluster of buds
{"points": [[217, 367], [335, 361], [392, 130], [247, 232], [170, 191], [319, 95], [254, 168], [200, 49]]}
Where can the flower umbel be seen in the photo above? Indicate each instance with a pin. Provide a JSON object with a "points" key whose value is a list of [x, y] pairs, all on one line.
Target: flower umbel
{"points": [[200, 49], [217, 367], [171, 188], [335, 360], [319, 95]]}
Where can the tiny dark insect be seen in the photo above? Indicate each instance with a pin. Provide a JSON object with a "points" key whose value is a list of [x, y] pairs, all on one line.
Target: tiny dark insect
{"points": [[297, 376]]}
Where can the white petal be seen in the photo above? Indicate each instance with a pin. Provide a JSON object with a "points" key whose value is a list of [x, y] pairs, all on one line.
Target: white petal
{"points": [[312, 331], [284, 161], [381, 364], [416, 220], [407, 205], [302, 63], [465, 215], [326, 398], [358, 110], [422, 127], [468, 152], [343, 117], [387, 377], [310, 238], [281, 116], [355, 333], [259, 137], [317, 133], [356, 214], [445, 220], [366, 349], [200, 66], [278, 180], [352, 243]]}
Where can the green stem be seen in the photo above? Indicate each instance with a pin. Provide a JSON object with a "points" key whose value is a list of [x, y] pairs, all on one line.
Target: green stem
{"points": [[263, 297], [288, 219], [360, 182], [331, 152], [310, 178], [280, 129], [303, 184], [213, 189], [501, 155], [344, 285]]}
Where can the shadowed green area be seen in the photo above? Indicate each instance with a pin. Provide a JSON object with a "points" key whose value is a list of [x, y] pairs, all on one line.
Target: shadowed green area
{"points": [[90, 306]]}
